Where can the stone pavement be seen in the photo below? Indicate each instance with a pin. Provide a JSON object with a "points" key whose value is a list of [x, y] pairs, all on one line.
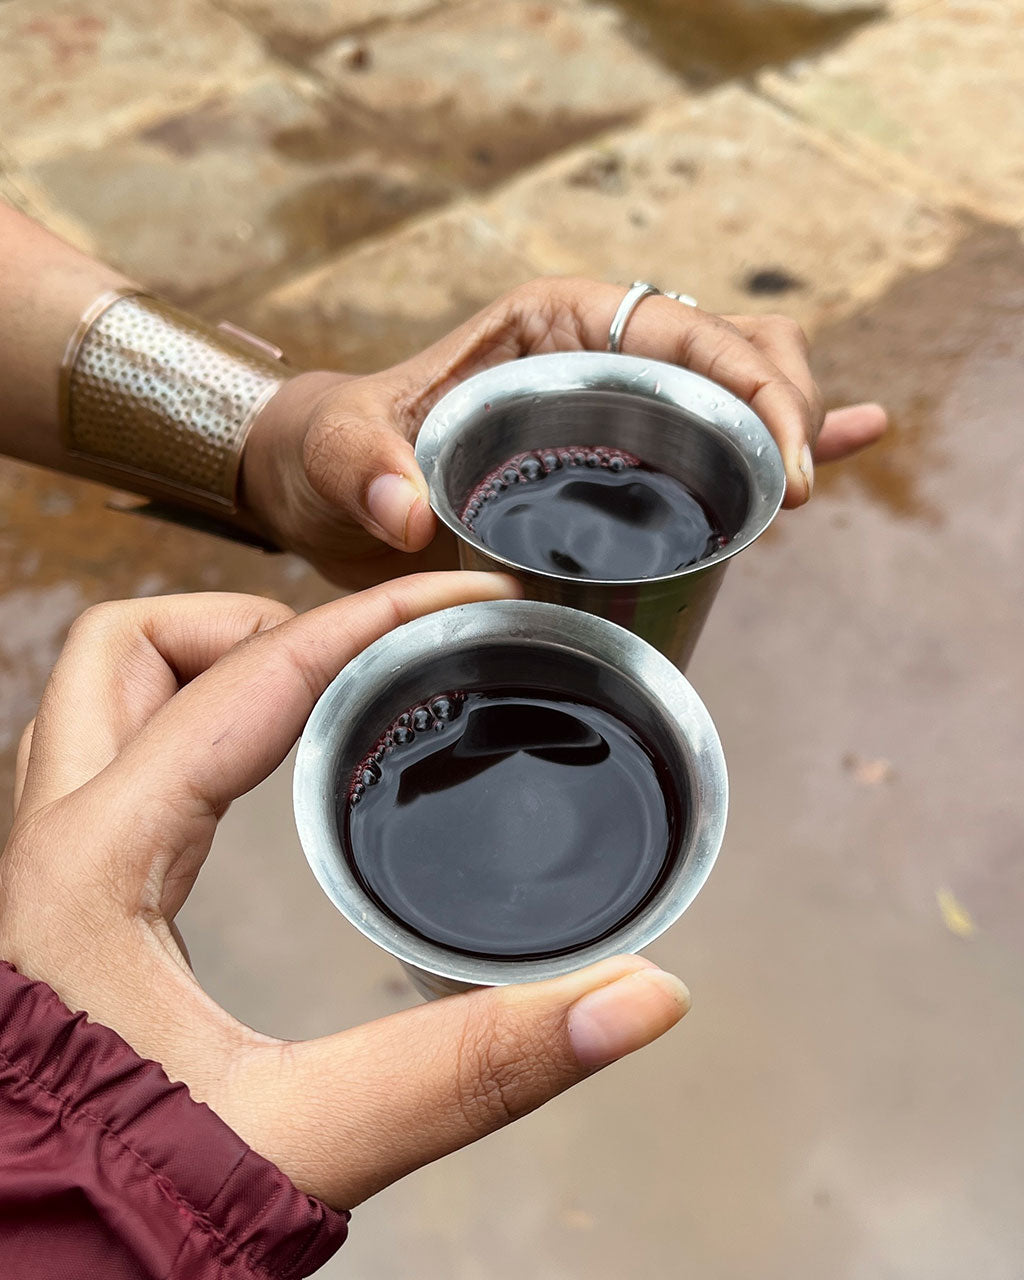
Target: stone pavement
{"points": [[260, 159], [354, 177]]}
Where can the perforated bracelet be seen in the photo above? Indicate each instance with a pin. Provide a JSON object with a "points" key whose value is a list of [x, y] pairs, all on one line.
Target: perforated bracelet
{"points": [[159, 402]]}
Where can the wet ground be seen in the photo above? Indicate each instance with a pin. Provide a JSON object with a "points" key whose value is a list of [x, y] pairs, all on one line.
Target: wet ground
{"points": [[707, 43], [846, 1099]]}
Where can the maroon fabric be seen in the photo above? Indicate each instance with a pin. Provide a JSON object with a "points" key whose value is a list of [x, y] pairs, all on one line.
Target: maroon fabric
{"points": [[108, 1169]]}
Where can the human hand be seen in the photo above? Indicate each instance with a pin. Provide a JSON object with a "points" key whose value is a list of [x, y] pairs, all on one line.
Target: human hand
{"points": [[158, 714], [329, 470]]}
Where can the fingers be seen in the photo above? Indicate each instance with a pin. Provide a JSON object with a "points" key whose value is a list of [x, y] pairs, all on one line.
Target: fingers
{"points": [[849, 429], [781, 341], [575, 314], [357, 460], [355, 1111], [100, 883], [358, 452], [21, 762], [121, 662], [228, 729], [710, 345], [358, 455], [790, 413]]}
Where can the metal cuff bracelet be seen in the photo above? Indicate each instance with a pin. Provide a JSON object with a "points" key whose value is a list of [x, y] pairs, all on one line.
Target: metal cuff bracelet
{"points": [[159, 402]]}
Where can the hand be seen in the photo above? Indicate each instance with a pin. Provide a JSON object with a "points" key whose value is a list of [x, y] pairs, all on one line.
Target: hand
{"points": [[159, 713], [329, 470]]}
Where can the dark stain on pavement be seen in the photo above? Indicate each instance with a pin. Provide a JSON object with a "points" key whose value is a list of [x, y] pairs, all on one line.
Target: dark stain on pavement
{"points": [[711, 42], [930, 335]]}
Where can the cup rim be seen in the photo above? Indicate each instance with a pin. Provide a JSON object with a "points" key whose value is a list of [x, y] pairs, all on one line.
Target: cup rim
{"points": [[718, 409], [525, 622]]}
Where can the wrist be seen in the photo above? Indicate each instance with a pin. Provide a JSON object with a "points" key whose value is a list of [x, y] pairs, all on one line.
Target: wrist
{"points": [[273, 492]]}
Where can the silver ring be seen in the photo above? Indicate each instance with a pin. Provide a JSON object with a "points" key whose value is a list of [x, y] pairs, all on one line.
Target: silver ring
{"points": [[636, 293]]}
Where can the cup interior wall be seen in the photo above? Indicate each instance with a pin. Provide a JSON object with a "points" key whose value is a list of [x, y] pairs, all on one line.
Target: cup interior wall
{"points": [[663, 436], [528, 668]]}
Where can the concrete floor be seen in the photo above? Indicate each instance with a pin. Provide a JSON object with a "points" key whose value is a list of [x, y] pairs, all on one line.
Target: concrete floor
{"points": [[846, 1098]]}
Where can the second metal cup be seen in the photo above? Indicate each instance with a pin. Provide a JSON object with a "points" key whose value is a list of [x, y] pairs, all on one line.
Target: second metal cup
{"points": [[674, 420]]}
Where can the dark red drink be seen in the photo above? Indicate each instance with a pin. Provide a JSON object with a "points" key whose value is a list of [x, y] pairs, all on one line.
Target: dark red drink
{"points": [[594, 512], [509, 824]]}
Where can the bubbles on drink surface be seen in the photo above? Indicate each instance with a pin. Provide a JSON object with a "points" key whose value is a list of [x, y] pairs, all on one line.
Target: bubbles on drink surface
{"points": [[591, 512], [526, 467], [430, 717]]}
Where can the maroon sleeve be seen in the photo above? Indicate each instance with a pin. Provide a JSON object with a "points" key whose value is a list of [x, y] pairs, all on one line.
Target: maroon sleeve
{"points": [[108, 1169]]}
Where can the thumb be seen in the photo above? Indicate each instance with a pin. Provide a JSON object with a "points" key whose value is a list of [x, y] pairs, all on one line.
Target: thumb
{"points": [[357, 460], [355, 1111], [848, 429]]}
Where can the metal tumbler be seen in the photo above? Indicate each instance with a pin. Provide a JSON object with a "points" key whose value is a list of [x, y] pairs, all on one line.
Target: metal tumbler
{"points": [[520, 645], [675, 421]]}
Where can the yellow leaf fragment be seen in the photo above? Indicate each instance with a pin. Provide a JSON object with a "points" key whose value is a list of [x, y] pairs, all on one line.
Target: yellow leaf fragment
{"points": [[955, 917]]}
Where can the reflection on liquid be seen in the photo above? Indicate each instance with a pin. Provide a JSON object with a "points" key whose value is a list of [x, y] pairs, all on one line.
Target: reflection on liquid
{"points": [[517, 825]]}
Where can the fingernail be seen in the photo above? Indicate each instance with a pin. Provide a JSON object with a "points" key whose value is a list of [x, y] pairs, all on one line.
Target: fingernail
{"points": [[389, 500], [606, 1024], [806, 465]]}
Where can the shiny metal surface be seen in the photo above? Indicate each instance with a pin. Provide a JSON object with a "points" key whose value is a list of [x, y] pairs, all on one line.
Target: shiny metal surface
{"points": [[636, 293], [675, 420], [511, 643], [158, 402]]}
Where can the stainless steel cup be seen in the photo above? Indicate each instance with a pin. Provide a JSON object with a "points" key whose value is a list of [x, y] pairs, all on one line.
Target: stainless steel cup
{"points": [[508, 644], [674, 420]]}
